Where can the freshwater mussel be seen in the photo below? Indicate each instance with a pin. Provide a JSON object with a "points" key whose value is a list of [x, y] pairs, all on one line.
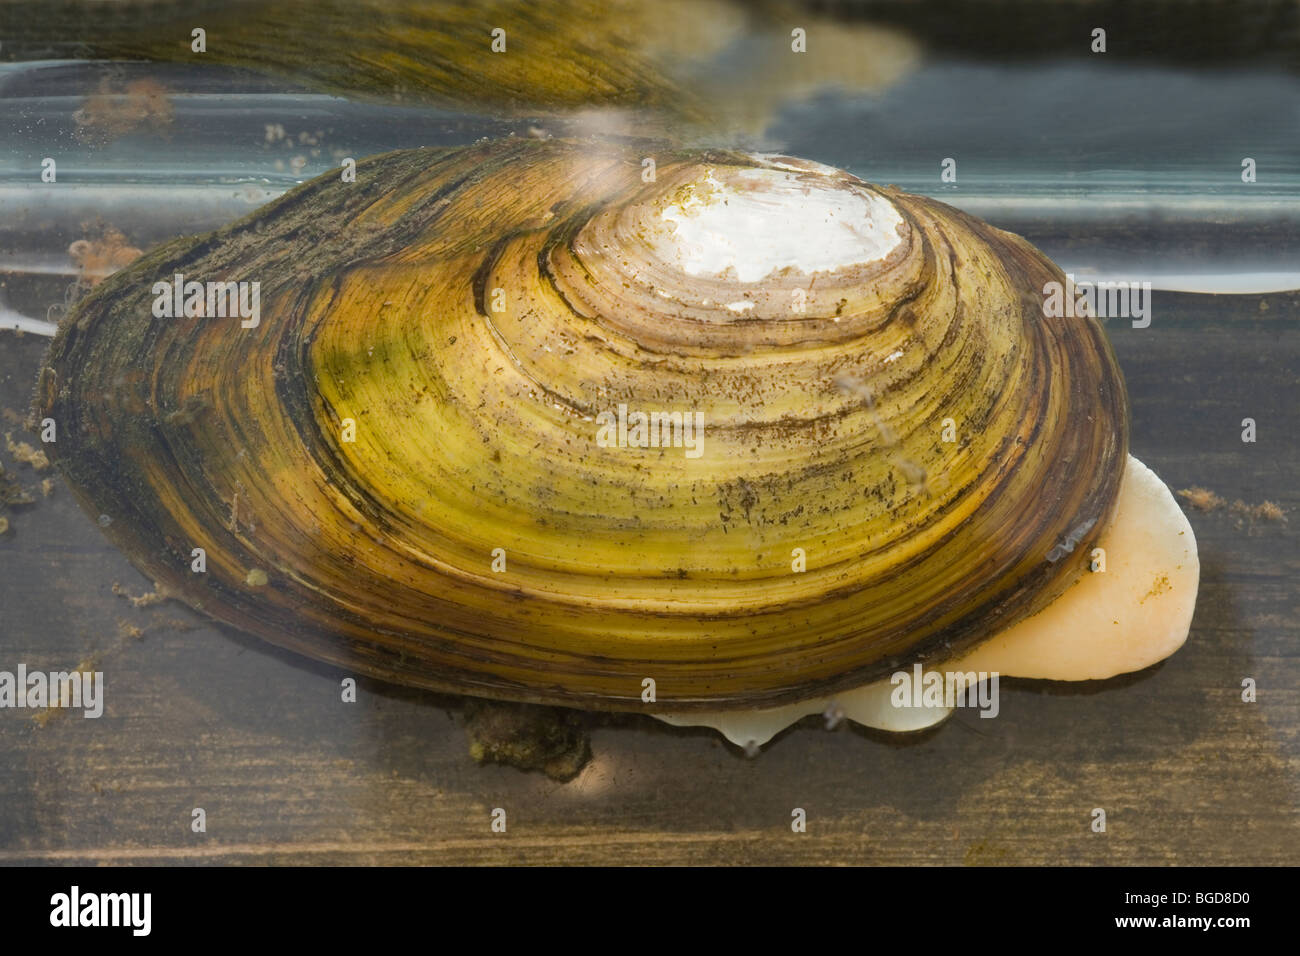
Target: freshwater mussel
{"points": [[722, 437]]}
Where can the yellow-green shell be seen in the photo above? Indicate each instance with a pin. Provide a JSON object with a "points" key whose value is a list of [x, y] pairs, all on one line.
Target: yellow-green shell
{"points": [[475, 430]]}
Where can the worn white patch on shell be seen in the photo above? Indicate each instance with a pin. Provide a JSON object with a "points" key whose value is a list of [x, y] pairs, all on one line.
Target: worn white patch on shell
{"points": [[1135, 613], [754, 222]]}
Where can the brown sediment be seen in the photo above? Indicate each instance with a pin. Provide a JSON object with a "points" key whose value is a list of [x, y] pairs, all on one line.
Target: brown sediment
{"points": [[1270, 511], [1264, 511], [156, 596], [1159, 586], [113, 111], [26, 454], [103, 251], [1202, 499], [47, 713], [12, 494], [550, 739]]}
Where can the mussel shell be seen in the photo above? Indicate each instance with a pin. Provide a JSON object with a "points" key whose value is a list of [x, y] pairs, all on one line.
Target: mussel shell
{"points": [[476, 430], [557, 55]]}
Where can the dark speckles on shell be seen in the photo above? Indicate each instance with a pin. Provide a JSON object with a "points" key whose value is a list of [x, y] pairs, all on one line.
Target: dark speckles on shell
{"points": [[476, 537]]}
